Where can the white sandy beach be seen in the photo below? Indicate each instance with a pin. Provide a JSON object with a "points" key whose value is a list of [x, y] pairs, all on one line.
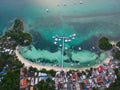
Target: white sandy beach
{"points": [[38, 66]]}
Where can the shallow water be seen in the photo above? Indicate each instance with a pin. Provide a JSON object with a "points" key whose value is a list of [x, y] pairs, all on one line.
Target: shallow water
{"points": [[90, 21]]}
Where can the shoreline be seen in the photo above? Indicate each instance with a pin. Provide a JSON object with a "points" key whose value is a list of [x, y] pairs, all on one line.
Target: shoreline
{"points": [[38, 66]]}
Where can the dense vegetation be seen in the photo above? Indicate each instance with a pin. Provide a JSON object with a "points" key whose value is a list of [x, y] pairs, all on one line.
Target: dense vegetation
{"points": [[116, 54], [13, 37], [118, 44], [116, 85], [10, 81], [18, 25], [16, 34], [46, 85], [104, 44], [10, 60]]}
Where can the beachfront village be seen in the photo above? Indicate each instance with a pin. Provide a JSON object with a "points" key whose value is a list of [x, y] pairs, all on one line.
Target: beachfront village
{"points": [[14, 75]]}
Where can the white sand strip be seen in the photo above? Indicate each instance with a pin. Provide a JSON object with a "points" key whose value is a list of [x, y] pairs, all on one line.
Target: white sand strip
{"points": [[38, 66]]}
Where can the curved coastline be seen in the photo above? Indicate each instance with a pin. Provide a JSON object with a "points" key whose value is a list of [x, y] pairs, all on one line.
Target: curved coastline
{"points": [[38, 66]]}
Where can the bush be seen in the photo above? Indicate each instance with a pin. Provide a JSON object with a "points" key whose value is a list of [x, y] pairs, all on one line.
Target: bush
{"points": [[18, 25], [52, 72], [116, 55], [104, 44], [48, 80], [43, 70], [10, 81]]}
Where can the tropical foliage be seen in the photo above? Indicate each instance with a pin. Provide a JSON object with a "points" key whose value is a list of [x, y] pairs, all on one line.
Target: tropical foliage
{"points": [[104, 44], [118, 44], [116, 84], [16, 34], [13, 37]]}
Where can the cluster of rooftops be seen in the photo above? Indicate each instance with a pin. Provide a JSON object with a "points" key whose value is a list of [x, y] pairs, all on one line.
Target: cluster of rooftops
{"points": [[99, 78]]}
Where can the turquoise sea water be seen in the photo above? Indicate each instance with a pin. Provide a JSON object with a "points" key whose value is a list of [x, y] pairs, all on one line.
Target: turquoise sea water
{"points": [[90, 21]]}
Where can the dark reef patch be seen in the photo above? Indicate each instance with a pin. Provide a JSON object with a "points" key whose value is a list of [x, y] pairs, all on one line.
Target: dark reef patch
{"points": [[40, 43]]}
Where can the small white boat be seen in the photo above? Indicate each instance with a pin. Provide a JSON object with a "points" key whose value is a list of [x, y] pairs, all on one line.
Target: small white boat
{"points": [[64, 4], [81, 2], [78, 64], [80, 48], [72, 64], [47, 10], [93, 47]]}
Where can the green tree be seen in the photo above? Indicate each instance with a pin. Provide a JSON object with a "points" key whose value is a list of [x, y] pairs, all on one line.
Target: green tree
{"points": [[48, 80], [104, 44], [26, 39], [43, 70], [52, 72], [32, 69], [118, 44], [116, 55], [10, 81], [42, 85], [18, 25]]}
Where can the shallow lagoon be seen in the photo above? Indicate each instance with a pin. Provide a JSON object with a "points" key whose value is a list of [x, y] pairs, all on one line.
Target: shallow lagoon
{"points": [[90, 21]]}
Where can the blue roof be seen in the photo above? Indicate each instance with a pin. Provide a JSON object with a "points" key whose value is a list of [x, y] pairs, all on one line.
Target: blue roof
{"points": [[85, 87], [3, 70]]}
